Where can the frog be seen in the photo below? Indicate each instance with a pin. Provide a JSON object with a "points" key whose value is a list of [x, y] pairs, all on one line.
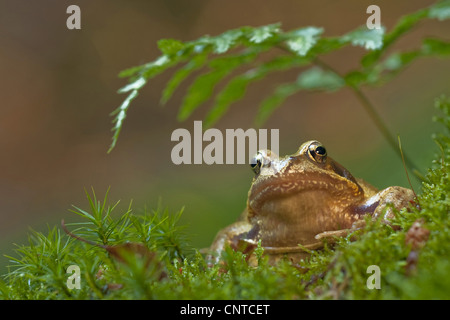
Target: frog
{"points": [[298, 202]]}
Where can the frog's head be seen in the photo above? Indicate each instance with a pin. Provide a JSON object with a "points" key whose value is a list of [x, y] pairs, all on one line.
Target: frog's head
{"points": [[301, 192]]}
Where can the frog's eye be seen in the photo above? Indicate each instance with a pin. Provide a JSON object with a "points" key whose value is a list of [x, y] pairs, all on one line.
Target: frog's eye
{"points": [[318, 152], [256, 163]]}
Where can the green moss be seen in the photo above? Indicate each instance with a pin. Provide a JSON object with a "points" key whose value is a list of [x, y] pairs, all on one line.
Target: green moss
{"points": [[147, 256]]}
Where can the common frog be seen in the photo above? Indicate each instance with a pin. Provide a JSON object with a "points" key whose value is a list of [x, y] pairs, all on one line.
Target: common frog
{"points": [[303, 198]]}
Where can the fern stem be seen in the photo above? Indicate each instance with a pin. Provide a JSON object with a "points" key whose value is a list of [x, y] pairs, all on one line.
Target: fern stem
{"points": [[371, 110], [374, 115]]}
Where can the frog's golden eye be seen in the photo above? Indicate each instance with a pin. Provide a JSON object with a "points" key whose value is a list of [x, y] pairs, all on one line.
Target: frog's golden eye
{"points": [[256, 163], [317, 152]]}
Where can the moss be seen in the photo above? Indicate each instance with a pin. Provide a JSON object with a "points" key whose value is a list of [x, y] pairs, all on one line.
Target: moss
{"points": [[147, 256]]}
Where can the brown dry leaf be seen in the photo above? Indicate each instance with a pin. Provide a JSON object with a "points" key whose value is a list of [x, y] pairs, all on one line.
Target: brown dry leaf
{"points": [[126, 253], [417, 235]]}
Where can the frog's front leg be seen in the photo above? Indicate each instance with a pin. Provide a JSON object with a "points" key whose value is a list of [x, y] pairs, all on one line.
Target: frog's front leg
{"points": [[230, 236], [388, 199], [381, 205], [331, 235]]}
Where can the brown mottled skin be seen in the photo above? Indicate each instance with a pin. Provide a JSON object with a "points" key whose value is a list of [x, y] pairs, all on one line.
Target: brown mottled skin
{"points": [[302, 198]]}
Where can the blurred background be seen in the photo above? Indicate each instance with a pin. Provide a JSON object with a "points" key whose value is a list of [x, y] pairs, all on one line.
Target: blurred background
{"points": [[58, 87]]}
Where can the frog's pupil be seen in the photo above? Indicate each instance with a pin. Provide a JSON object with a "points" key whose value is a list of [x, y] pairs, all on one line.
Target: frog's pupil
{"points": [[255, 165], [321, 150]]}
